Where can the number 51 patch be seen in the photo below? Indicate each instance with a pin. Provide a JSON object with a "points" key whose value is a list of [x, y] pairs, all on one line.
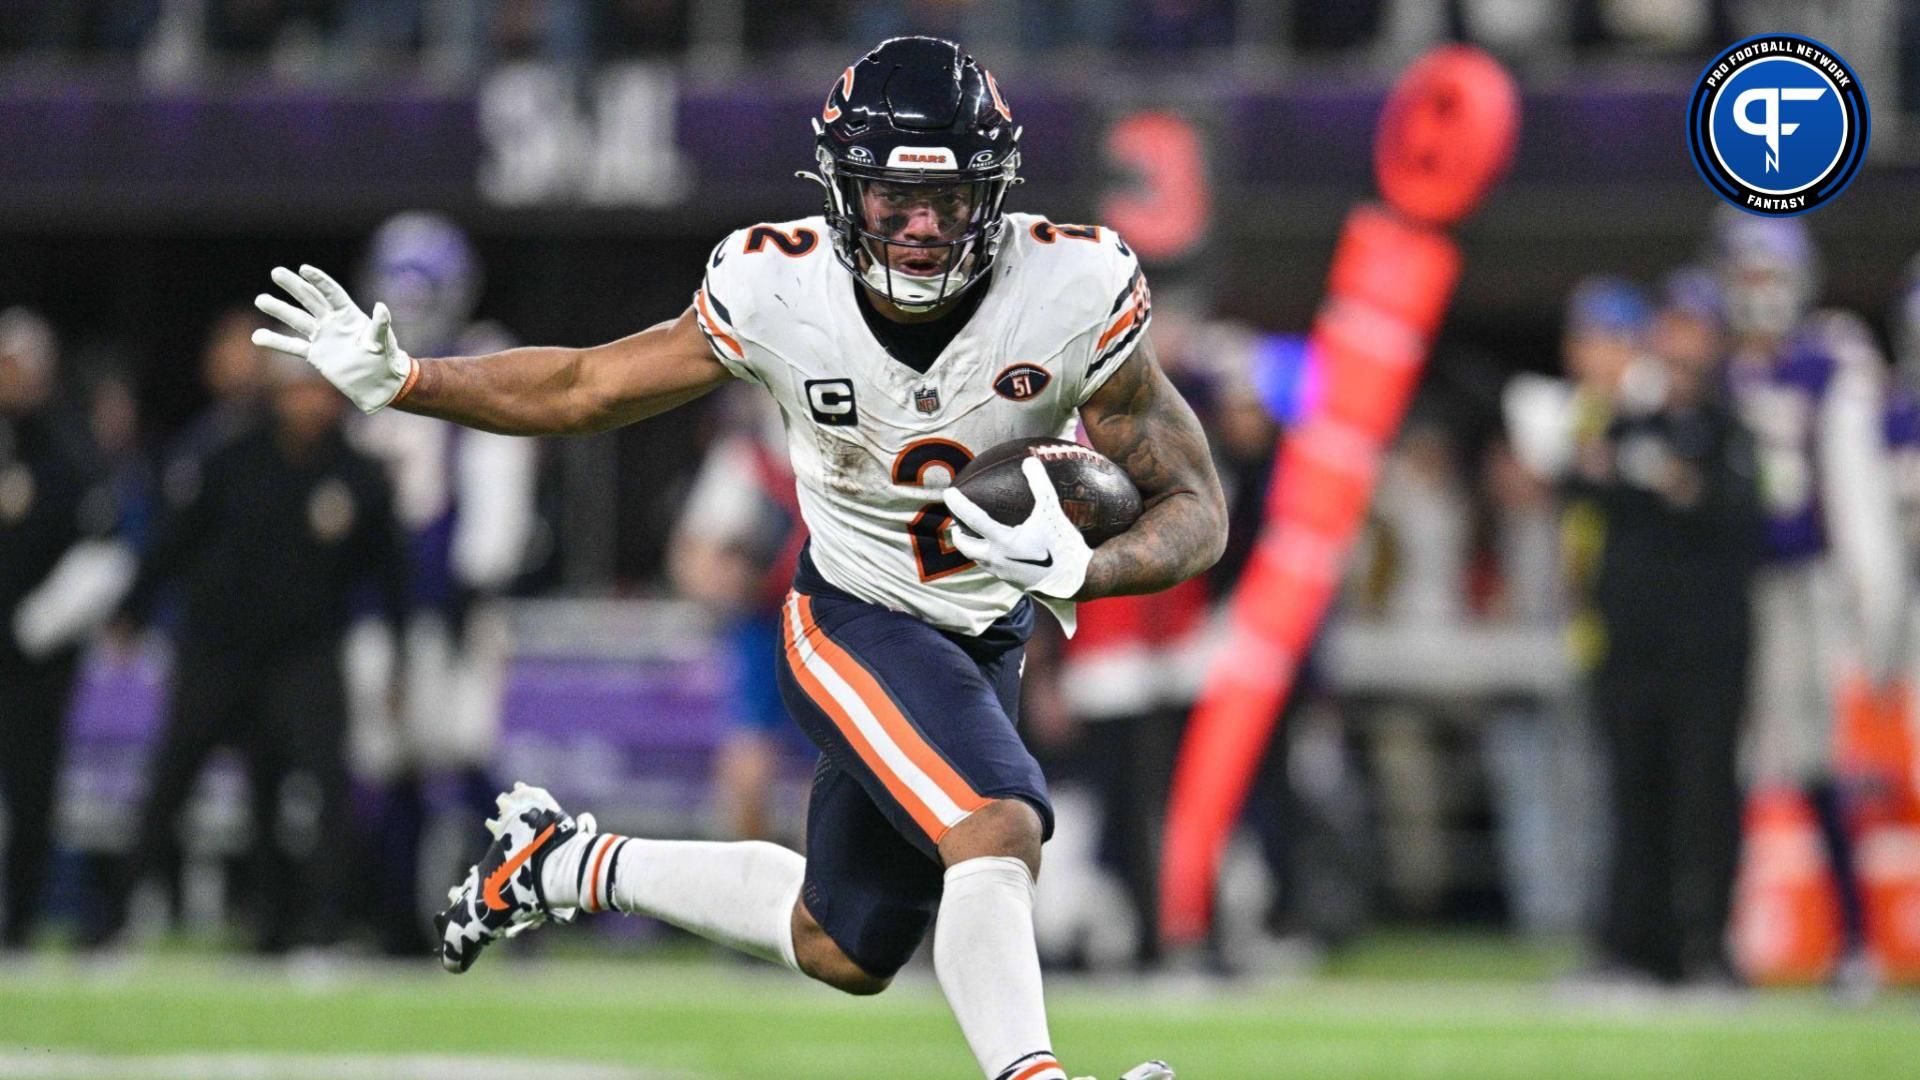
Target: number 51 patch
{"points": [[1021, 381]]}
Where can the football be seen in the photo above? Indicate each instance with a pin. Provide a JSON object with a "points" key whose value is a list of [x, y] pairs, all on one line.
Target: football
{"points": [[1096, 495]]}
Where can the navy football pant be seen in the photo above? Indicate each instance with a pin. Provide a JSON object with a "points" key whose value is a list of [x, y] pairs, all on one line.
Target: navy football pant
{"points": [[916, 731]]}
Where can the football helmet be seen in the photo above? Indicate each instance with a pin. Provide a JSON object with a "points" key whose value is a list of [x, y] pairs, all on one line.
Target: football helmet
{"points": [[1769, 272], [916, 149], [1609, 306], [422, 266], [1694, 291]]}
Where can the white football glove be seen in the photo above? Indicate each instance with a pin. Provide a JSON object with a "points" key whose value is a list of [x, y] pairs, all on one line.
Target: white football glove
{"points": [[1044, 555], [357, 352]]}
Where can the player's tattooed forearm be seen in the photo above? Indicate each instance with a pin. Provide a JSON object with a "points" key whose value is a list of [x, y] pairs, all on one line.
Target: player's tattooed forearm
{"points": [[1170, 543], [1140, 421]]}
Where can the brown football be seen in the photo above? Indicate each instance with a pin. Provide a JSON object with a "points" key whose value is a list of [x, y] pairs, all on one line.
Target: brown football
{"points": [[1096, 495]]}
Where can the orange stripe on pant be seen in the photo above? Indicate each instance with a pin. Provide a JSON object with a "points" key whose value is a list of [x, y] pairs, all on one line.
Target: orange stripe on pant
{"points": [[897, 726], [894, 725]]}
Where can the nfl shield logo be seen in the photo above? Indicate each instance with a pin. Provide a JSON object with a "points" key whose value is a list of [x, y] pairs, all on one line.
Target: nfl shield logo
{"points": [[927, 400]]}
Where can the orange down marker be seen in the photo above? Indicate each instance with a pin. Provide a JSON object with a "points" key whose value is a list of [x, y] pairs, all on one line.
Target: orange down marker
{"points": [[1446, 135]]}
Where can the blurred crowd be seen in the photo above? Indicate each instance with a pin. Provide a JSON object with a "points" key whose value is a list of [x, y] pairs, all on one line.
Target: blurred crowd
{"points": [[579, 31], [324, 39], [1714, 499], [327, 589]]}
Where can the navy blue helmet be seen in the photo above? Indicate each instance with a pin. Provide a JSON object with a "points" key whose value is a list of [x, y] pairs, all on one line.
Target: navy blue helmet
{"points": [[916, 149]]}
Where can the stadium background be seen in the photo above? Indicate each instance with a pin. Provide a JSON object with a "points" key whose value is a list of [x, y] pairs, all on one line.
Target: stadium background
{"points": [[160, 156]]}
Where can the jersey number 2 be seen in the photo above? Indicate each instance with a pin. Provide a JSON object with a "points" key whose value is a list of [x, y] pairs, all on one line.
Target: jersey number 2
{"points": [[935, 557], [795, 243]]}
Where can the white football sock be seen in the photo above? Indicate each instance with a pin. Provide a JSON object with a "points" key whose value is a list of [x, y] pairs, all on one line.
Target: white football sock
{"points": [[989, 968], [738, 894]]}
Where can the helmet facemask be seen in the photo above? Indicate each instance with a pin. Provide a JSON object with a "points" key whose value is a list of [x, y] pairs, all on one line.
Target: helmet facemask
{"points": [[916, 238], [1765, 300], [1769, 273]]}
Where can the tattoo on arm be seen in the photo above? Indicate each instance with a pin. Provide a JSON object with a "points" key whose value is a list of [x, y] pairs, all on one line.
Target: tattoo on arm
{"points": [[1140, 421]]}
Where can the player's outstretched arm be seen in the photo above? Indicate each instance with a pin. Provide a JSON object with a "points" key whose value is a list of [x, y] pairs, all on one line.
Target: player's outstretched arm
{"points": [[554, 391], [533, 391], [1140, 421]]}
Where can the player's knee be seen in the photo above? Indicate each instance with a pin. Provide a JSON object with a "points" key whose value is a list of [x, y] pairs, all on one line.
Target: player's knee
{"points": [[821, 959], [846, 976], [1004, 827]]}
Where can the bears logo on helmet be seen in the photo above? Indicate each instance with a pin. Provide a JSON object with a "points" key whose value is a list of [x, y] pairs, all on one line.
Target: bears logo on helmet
{"points": [[912, 224]]}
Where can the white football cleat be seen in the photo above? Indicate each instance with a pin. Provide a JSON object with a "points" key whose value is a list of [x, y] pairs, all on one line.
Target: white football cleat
{"points": [[502, 896]]}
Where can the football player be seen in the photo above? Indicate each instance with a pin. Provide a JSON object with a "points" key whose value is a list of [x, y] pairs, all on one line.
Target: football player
{"points": [[912, 325], [1811, 388], [1903, 421], [467, 501]]}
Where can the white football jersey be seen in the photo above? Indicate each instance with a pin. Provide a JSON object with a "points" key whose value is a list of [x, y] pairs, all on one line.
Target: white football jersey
{"points": [[873, 441]]}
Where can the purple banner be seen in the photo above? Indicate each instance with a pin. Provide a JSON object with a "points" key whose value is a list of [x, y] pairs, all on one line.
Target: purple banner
{"points": [[605, 727], [634, 140]]}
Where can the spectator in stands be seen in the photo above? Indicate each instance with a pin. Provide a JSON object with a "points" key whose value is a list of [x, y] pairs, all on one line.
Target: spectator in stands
{"points": [[267, 548], [49, 501]]}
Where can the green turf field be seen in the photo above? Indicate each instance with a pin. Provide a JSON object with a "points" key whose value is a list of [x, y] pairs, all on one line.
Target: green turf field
{"points": [[1401, 1007]]}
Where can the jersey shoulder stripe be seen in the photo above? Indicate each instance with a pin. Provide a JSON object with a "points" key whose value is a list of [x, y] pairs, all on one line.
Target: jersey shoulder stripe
{"points": [[1133, 310], [1091, 282], [1087, 272], [724, 344], [745, 266]]}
